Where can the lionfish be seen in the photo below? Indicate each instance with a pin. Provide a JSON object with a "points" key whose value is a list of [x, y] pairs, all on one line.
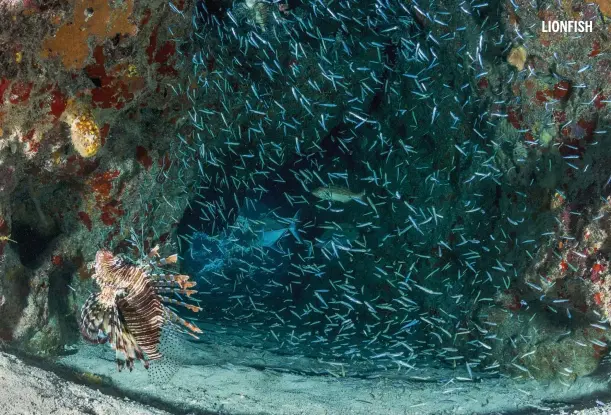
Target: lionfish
{"points": [[129, 311]]}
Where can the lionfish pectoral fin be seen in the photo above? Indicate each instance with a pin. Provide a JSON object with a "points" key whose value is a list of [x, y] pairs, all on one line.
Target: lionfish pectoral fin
{"points": [[163, 289], [123, 361], [183, 281], [172, 259], [126, 345], [188, 284], [95, 320], [191, 307], [101, 323], [174, 322], [170, 279], [193, 328]]}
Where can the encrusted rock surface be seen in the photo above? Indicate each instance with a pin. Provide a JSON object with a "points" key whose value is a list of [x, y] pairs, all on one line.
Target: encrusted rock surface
{"points": [[87, 117]]}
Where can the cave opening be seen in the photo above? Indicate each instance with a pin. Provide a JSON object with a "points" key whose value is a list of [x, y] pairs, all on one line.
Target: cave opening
{"points": [[30, 243]]}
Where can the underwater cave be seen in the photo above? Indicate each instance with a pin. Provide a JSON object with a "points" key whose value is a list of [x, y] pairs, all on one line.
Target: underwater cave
{"points": [[255, 207]]}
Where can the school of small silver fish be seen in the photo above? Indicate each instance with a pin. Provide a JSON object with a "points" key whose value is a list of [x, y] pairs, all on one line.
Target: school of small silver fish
{"points": [[347, 112]]}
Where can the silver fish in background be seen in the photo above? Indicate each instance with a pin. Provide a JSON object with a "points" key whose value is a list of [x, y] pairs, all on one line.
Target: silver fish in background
{"points": [[211, 256], [404, 280], [337, 194], [345, 235], [333, 239], [273, 229]]}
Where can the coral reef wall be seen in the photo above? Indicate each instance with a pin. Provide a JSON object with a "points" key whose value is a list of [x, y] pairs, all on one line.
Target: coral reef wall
{"points": [[88, 116]]}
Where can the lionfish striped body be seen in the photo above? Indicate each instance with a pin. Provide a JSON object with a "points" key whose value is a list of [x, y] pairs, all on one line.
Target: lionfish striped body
{"points": [[129, 310]]}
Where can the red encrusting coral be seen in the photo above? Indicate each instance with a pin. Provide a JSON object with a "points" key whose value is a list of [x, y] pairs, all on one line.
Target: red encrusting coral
{"points": [[595, 49], [161, 55], [210, 63], [104, 133], [20, 92], [111, 212], [115, 89], [84, 217], [4, 84], [101, 184], [514, 117], [143, 157], [599, 351], [483, 83], [33, 145], [540, 97], [76, 165], [150, 50], [599, 97], [588, 128], [596, 271], [559, 117], [58, 103], [564, 266], [529, 85], [514, 305], [165, 52], [561, 90], [146, 17]]}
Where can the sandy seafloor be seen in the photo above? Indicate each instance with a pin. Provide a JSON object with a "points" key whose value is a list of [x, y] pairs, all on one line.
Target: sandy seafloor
{"points": [[31, 390], [231, 379]]}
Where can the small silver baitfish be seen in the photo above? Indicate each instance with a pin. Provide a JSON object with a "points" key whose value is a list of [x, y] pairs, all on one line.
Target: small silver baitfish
{"points": [[337, 194]]}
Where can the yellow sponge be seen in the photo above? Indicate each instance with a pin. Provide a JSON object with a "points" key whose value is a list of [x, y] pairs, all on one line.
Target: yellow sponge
{"points": [[86, 136]]}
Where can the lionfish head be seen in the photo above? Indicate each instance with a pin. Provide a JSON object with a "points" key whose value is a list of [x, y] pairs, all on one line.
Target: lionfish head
{"points": [[104, 262]]}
